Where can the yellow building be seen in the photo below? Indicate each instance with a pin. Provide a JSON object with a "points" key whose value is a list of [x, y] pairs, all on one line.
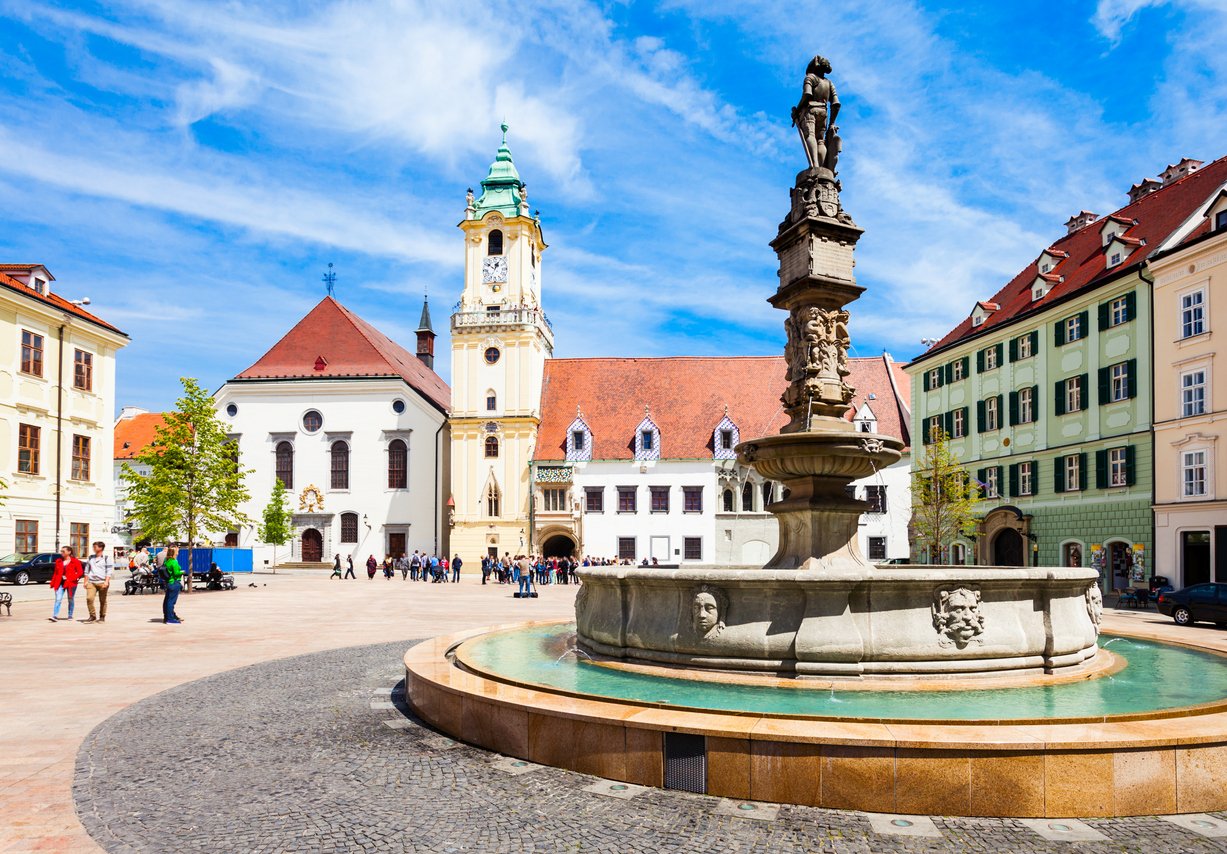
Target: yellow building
{"points": [[500, 341], [57, 410], [1190, 307]]}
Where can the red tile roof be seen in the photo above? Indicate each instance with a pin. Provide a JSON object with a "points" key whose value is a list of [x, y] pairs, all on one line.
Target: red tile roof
{"points": [[687, 397], [52, 299], [1158, 214], [343, 345], [134, 434]]}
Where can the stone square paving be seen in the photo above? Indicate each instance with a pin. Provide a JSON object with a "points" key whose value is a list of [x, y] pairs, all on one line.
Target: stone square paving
{"points": [[173, 747]]}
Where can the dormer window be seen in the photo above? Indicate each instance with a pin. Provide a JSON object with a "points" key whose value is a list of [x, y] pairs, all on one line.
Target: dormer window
{"points": [[1113, 259], [1045, 267], [725, 439], [1037, 293], [579, 440], [647, 440], [977, 319], [39, 286], [1220, 221]]}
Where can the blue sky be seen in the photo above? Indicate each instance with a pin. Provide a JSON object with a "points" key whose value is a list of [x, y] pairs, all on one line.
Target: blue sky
{"points": [[193, 167]]}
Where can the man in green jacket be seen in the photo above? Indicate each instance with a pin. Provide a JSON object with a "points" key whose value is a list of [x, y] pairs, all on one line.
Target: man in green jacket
{"points": [[174, 583]]}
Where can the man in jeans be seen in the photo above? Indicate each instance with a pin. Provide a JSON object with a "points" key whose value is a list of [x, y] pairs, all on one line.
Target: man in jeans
{"points": [[98, 571], [524, 569]]}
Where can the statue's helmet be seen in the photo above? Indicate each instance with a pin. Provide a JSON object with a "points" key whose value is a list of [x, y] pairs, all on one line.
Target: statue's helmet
{"points": [[819, 65]]}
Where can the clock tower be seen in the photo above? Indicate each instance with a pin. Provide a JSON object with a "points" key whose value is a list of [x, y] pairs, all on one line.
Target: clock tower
{"points": [[500, 341]]}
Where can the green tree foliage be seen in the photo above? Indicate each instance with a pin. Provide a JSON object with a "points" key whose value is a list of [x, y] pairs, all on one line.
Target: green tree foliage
{"points": [[276, 529], [195, 485], [944, 498]]}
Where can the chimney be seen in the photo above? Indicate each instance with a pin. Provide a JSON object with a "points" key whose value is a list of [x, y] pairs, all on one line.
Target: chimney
{"points": [[1179, 170], [1079, 220], [1143, 188], [426, 337]]}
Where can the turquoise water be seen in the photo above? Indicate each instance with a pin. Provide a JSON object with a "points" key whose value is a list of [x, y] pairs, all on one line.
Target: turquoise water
{"points": [[1156, 677]]}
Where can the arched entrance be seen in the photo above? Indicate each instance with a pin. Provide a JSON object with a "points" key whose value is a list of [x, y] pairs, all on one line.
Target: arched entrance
{"points": [[559, 545], [312, 546], [1120, 562], [1007, 548]]}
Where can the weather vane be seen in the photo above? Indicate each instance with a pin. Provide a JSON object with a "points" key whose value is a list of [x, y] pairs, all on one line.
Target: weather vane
{"points": [[330, 279]]}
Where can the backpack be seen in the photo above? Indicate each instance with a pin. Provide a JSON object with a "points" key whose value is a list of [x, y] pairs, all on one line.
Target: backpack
{"points": [[160, 573]]}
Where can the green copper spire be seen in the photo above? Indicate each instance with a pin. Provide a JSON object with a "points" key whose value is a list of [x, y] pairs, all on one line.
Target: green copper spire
{"points": [[501, 188]]}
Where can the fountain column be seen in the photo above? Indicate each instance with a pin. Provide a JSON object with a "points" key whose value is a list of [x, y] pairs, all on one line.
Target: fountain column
{"points": [[819, 452]]}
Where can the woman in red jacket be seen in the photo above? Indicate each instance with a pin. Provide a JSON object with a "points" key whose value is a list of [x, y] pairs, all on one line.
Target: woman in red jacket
{"points": [[68, 572]]}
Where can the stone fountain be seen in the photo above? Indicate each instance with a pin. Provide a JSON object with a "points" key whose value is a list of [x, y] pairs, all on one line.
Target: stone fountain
{"points": [[818, 607]]}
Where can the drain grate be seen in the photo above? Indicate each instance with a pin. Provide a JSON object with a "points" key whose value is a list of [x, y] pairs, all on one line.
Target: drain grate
{"points": [[686, 762]]}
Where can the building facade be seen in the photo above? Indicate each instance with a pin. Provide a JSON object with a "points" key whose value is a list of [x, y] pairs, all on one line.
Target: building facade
{"points": [[135, 430], [1045, 392], [57, 406], [636, 459], [1190, 305], [501, 340], [355, 426]]}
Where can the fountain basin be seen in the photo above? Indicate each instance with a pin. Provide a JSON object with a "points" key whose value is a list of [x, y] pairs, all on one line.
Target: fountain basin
{"points": [[933, 621]]}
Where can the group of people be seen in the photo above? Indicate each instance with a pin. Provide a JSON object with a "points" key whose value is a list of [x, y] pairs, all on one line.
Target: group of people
{"points": [[416, 567], [98, 570], [541, 569]]}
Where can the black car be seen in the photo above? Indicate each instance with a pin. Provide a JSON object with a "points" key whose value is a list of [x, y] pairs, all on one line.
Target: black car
{"points": [[22, 569], [1201, 603]]}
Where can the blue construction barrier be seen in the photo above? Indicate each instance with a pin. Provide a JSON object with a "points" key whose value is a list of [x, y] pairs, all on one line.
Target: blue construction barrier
{"points": [[227, 559]]}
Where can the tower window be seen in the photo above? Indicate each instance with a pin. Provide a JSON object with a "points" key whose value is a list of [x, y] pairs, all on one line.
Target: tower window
{"points": [[492, 502], [491, 447], [492, 355], [494, 243], [491, 401]]}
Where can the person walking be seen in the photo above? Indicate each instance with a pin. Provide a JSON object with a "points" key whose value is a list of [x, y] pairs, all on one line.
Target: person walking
{"points": [[372, 566], [402, 563], [336, 569], [415, 563], [456, 564], [485, 569], [349, 568], [174, 583], [98, 571], [64, 581]]}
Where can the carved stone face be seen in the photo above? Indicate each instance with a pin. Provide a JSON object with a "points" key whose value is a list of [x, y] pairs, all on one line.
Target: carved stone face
{"points": [[705, 612], [1094, 604], [956, 614]]}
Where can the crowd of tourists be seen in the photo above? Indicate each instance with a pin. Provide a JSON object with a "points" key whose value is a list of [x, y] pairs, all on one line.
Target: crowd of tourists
{"points": [[419, 566]]}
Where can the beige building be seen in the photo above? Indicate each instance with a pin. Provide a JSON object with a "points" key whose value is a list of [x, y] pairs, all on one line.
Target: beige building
{"points": [[57, 409], [500, 341], [1190, 394]]}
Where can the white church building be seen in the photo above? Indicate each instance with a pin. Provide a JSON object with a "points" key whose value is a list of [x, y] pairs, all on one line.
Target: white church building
{"points": [[356, 428]]}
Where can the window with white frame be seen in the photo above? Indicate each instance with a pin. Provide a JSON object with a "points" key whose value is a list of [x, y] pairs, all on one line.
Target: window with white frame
{"points": [[1024, 347], [935, 378], [1193, 393], [554, 500], [1073, 473], [1026, 405], [1073, 328], [992, 486], [1120, 381], [956, 370], [1192, 313], [1193, 473], [958, 425], [1118, 467], [992, 414], [1026, 478], [933, 426], [1073, 394], [1118, 311], [990, 359]]}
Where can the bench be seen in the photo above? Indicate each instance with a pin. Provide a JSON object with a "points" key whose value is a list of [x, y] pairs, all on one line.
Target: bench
{"points": [[6, 602]]}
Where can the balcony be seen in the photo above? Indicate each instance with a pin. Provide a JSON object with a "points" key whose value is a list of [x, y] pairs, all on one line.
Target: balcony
{"points": [[520, 315]]}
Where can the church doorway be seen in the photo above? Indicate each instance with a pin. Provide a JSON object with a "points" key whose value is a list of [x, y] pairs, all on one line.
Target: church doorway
{"points": [[312, 546], [1008, 548], [559, 545]]}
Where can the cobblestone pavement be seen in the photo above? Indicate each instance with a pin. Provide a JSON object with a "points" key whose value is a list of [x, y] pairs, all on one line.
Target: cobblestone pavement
{"points": [[318, 753]]}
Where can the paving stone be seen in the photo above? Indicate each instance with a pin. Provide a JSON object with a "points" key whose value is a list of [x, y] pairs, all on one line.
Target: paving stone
{"points": [[615, 789], [295, 759], [1206, 825], [1063, 829], [902, 825]]}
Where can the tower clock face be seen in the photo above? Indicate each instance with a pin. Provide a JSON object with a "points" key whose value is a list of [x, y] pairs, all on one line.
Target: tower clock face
{"points": [[494, 269]]}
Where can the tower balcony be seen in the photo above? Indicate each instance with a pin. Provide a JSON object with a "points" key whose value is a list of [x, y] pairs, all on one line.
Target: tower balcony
{"points": [[500, 317]]}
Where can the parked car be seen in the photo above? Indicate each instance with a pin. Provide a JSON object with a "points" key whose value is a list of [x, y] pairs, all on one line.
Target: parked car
{"points": [[22, 569], [1201, 603]]}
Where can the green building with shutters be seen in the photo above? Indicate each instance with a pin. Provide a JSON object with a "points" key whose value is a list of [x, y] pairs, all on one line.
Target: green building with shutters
{"points": [[1045, 390]]}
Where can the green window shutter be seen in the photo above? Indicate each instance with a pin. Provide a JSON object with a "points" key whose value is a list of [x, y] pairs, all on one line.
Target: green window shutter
{"points": [[1083, 319], [1014, 408], [1058, 475], [1082, 472], [966, 421], [1058, 333], [1059, 398], [980, 475], [1101, 469], [966, 367], [1013, 479], [948, 423], [924, 380], [999, 348], [1035, 403], [1000, 480], [1105, 385], [979, 361], [979, 416], [1132, 369], [1085, 379], [1013, 349], [1131, 305], [1130, 478], [1104, 317], [925, 436], [1035, 340]]}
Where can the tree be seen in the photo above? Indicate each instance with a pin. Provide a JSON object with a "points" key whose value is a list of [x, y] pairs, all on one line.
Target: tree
{"points": [[944, 498], [277, 528], [195, 484]]}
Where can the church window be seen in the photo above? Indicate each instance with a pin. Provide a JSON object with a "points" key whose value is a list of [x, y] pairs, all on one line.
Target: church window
{"points": [[491, 401], [492, 502], [398, 464], [312, 421], [398, 406], [727, 500], [349, 527], [491, 447], [232, 410], [285, 464], [747, 498], [340, 465], [492, 355], [494, 244]]}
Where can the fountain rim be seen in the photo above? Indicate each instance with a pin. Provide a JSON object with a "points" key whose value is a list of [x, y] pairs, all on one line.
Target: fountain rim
{"points": [[456, 659], [894, 574]]}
